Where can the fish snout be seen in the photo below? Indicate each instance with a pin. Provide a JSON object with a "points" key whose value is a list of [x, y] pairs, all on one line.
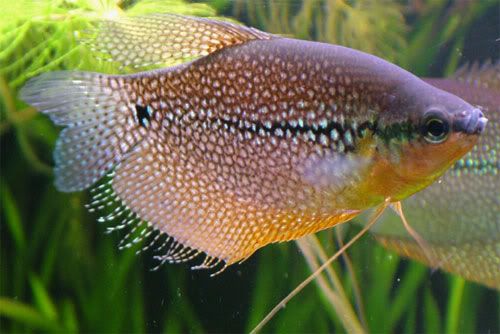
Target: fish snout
{"points": [[470, 121]]}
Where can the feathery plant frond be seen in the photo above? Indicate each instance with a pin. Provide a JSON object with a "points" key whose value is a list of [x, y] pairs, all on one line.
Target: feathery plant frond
{"points": [[60, 273], [39, 36], [51, 280]]}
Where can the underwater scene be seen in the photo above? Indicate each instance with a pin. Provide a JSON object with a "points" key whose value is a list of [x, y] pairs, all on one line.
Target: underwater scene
{"points": [[234, 166]]}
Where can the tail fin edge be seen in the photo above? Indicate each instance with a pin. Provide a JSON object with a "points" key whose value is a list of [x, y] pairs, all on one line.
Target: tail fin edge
{"points": [[97, 115]]}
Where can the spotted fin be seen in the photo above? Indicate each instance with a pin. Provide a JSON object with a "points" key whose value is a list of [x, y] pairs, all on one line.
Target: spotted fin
{"points": [[486, 75], [475, 260], [180, 195], [166, 39], [99, 119]]}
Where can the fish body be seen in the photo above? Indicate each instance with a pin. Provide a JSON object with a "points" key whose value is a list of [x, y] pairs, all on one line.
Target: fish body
{"points": [[459, 216], [262, 139]]}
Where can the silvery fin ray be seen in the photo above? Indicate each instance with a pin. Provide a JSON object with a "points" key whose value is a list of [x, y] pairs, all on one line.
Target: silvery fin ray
{"points": [[247, 138], [459, 216]]}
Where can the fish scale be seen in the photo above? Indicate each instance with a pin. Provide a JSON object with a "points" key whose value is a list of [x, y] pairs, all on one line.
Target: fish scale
{"points": [[259, 139]]}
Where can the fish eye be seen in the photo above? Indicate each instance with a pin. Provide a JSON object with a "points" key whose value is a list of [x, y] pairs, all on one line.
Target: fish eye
{"points": [[435, 129]]}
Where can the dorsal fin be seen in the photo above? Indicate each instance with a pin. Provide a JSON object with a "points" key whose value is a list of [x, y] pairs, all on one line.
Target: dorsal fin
{"points": [[166, 39], [486, 75]]}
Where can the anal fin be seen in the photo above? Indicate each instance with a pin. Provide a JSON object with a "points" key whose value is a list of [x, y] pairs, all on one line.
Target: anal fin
{"points": [[180, 199]]}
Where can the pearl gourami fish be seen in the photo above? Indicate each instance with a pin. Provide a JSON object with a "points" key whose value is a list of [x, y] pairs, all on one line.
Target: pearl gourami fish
{"points": [[459, 216], [246, 138]]}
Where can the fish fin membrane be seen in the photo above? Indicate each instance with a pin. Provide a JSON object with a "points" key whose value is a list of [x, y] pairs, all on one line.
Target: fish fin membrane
{"points": [[475, 260], [197, 208], [486, 75], [166, 39], [98, 120]]}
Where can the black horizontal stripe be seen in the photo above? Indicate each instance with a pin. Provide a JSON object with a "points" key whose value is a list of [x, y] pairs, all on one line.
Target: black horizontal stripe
{"points": [[299, 129], [399, 131]]}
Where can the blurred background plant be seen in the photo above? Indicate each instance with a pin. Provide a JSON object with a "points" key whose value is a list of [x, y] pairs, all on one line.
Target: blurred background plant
{"points": [[61, 273]]}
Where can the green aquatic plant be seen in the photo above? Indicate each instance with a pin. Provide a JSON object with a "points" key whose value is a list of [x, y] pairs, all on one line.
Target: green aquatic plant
{"points": [[60, 273], [39, 36], [51, 279], [377, 27]]}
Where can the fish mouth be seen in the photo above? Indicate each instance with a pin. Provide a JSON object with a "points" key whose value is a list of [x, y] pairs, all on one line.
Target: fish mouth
{"points": [[470, 122]]}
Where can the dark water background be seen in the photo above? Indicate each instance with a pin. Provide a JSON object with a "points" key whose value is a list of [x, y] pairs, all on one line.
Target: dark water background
{"points": [[61, 272]]}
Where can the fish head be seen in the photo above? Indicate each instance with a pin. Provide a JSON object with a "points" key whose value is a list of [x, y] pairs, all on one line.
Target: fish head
{"points": [[441, 128]]}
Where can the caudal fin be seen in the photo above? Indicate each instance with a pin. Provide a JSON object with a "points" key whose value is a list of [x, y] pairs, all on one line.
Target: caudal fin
{"points": [[99, 122]]}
